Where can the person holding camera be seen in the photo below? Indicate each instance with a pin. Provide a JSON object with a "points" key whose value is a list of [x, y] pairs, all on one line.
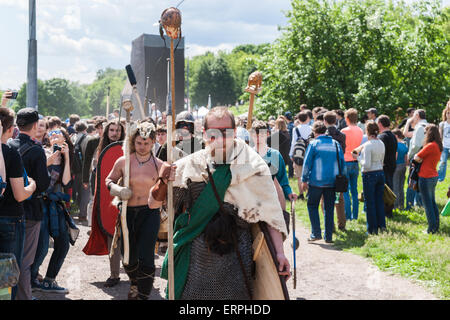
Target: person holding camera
{"points": [[54, 219], [35, 164], [7, 96]]}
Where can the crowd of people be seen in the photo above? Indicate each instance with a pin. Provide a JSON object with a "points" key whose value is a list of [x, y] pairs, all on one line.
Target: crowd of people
{"points": [[325, 144], [48, 167]]}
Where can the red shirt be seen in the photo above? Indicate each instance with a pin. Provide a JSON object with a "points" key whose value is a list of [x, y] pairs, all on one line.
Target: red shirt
{"points": [[430, 154]]}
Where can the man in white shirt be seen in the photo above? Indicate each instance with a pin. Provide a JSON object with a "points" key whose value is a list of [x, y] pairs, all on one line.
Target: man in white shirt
{"points": [[372, 114], [301, 131], [419, 123], [155, 114]]}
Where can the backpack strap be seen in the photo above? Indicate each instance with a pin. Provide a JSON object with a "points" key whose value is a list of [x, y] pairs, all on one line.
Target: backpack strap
{"points": [[298, 133], [25, 148], [80, 139]]}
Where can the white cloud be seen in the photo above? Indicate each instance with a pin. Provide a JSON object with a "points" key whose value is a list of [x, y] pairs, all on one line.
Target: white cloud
{"points": [[22, 4], [78, 37], [195, 49], [72, 18], [81, 70]]}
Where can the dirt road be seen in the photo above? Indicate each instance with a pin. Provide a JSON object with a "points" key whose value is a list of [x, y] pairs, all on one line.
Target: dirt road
{"points": [[323, 273]]}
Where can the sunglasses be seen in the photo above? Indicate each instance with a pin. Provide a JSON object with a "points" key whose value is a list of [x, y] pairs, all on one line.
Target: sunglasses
{"points": [[55, 132], [182, 124], [214, 133]]}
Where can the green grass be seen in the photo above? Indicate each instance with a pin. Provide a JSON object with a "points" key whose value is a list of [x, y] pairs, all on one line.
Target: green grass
{"points": [[404, 249]]}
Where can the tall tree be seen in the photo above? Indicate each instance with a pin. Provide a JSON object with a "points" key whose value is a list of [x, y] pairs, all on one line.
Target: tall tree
{"points": [[98, 90], [222, 82], [342, 54]]}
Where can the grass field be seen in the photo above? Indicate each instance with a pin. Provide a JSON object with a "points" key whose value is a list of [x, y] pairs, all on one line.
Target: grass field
{"points": [[405, 249]]}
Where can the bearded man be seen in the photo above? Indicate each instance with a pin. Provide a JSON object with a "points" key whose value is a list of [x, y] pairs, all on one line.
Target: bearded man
{"points": [[218, 193]]}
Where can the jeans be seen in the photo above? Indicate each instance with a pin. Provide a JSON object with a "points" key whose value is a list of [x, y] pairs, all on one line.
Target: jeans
{"points": [[290, 169], [32, 229], [413, 197], [12, 239], [60, 246], [373, 187], [329, 197], [443, 165], [42, 248], [399, 185], [352, 176], [427, 187]]}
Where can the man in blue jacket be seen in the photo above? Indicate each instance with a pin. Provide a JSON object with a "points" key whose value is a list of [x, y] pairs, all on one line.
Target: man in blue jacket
{"points": [[320, 169]]}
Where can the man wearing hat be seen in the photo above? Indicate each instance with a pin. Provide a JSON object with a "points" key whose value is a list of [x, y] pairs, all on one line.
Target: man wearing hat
{"points": [[372, 114], [186, 141], [35, 164]]}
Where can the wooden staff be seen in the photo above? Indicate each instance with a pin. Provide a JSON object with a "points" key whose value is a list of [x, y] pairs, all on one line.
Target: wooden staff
{"points": [[172, 80], [171, 22], [146, 102], [294, 245], [107, 103], [254, 88], [128, 107], [133, 82]]}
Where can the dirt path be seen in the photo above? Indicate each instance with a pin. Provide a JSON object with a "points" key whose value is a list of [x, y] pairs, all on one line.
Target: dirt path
{"points": [[323, 273]]}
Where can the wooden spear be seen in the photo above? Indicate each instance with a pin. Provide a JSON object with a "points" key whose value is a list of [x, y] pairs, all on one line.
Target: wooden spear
{"points": [[254, 88], [128, 107], [107, 103], [171, 22]]}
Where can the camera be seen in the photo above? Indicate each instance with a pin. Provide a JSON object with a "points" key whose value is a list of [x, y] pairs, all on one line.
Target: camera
{"points": [[14, 95], [56, 148]]}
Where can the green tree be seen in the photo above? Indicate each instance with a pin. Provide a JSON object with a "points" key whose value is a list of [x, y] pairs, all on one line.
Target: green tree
{"points": [[98, 90], [222, 82], [342, 54]]}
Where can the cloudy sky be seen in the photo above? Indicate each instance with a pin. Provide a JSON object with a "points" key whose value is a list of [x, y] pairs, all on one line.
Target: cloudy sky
{"points": [[78, 37]]}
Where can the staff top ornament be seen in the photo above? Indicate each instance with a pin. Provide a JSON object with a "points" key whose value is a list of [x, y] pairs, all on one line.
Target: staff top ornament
{"points": [[127, 105], [254, 83], [171, 22]]}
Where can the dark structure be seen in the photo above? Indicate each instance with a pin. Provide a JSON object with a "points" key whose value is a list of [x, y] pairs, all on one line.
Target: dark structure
{"points": [[32, 89], [149, 56]]}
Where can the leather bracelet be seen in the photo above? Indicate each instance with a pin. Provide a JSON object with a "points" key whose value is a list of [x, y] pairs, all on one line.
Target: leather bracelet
{"points": [[109, 186]]}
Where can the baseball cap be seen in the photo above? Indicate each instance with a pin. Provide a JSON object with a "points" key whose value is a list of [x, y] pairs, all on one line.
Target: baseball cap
{"points": [[288, 115], [372, 110]]}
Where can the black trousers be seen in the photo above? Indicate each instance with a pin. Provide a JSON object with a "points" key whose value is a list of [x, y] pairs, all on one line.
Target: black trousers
{"points": [[143, 226]]}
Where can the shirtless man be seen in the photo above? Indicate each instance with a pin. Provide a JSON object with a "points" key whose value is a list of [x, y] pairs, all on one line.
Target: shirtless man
{"points": [[143, 223]]}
